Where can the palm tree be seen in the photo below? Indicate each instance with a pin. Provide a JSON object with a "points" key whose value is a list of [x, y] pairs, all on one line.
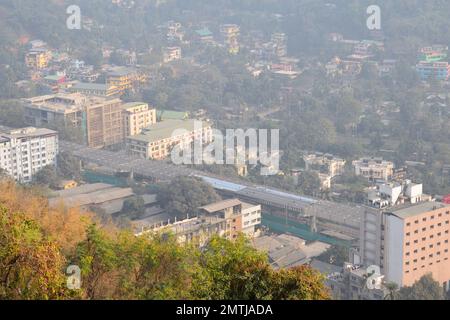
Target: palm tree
{"points": [[393, 291]]}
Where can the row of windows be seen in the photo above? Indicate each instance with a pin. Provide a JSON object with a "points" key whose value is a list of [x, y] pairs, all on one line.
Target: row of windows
{"points": [[425, 238], [425, 229], [423, 258], [423, 266], [431, 218]]}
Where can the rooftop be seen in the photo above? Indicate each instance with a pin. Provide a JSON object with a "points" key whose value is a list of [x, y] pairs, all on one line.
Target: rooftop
{"points": [[165, 129], [133, 104], [171, 115], [24, 133], [325, 268], [81, 197], [221, 205], [90, 86], [411, 210], [121, 71], [205, 32]]}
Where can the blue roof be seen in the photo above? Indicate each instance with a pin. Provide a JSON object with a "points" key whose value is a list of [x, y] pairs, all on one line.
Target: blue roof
{"points": [[223, 185], [287, 195]]}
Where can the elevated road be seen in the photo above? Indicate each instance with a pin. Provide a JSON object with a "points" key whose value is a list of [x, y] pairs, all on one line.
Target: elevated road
{"points": [[327, 215]]}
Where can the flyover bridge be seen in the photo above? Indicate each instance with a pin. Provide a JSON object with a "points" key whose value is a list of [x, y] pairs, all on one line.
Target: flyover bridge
{"points": [[320, 214]]}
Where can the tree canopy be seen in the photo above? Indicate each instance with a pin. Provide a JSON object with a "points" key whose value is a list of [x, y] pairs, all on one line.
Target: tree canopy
{"points": [[184, 195]]}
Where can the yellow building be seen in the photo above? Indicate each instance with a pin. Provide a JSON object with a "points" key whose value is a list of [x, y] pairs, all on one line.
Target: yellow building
{"points": [[158, 140], [38, 59], [230, 34], [68, 184], [124, 79], [136, 117]]}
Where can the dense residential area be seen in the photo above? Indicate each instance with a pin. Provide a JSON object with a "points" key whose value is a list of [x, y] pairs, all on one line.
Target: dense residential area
{"points": [[133, 150]]}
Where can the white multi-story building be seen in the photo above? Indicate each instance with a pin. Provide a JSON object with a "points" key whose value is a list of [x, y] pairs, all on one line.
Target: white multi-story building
{"points": [[251, 218], [24, 152], [374, 168]]}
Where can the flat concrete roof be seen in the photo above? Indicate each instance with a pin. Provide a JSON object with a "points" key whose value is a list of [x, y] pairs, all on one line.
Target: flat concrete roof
{"points": [[90, 86], [221, 205], [165, 130], [411, 210]]}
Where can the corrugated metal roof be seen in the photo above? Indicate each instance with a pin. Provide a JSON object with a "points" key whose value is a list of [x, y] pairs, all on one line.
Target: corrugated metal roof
{"points": [[218, 206]]}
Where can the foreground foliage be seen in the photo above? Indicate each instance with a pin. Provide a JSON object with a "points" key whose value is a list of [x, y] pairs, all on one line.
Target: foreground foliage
{"points": [[38, 243]]}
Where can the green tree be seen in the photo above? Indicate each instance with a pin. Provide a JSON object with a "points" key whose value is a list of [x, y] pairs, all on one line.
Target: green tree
{"points": [[336, 255], [96, 257], [236, 271], [47, 176], [392, 291], [69, 166], [134, 207], [184, 195], [309, 182], [11, 114], [31, 265], [424, 289]]}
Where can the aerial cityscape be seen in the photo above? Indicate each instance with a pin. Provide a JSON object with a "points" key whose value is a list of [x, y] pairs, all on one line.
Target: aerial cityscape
{"points": [[224, 150]]}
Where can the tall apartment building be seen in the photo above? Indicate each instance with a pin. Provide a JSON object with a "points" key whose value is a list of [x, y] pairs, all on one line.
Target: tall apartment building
{"points": [[99, 119], [374, 168], [104, 122], [408, 242], [136, 117], [54, 110], [230, 34], [24, 152], [157, 141]]}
